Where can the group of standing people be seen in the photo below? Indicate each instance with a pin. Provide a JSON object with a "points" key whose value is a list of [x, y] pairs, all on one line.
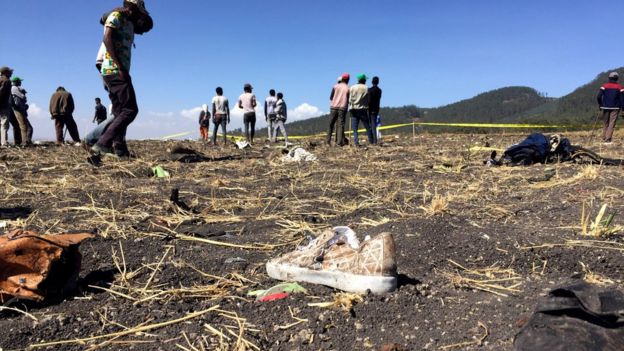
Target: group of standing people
{"points": [[363, 103], [13, 110], [275, 114]]}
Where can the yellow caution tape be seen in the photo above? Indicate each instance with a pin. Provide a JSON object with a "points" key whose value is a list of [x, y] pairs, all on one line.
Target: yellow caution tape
{"points": [[175, 136], [424, 124]]}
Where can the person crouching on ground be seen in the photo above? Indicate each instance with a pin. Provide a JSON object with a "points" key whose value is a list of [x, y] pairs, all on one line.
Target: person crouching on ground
{"points": [[20, 110], [247, 102], [358, 97], [610, 100], [281, 115], [61, 110], [220, 115], [119, 29], [204, 122]]}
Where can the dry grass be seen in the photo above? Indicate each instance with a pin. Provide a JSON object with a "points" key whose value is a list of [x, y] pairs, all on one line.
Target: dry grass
{"points": [[495, 280]]}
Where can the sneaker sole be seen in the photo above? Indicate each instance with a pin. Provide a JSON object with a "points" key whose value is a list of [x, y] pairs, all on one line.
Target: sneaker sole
{"points": [[353, 283]]}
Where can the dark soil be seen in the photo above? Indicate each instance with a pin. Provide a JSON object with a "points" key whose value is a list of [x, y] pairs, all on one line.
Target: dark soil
{"points": [[493, 217]]}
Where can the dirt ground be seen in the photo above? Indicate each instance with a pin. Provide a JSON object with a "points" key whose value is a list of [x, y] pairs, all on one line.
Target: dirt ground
{"points": [[477, 247]]}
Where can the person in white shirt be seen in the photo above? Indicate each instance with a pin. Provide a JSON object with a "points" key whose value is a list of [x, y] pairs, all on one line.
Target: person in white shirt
{"points": [[220, 115], [269, 111], [247, 102]]}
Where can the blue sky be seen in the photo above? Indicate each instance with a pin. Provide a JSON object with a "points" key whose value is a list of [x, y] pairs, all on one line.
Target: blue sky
{"points": [[426, 53]]}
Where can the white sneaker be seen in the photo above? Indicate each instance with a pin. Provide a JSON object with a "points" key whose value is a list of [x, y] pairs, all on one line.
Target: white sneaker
{"points": [[332, 260]]}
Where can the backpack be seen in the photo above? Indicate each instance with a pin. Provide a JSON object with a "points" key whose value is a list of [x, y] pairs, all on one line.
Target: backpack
{"points": [[534, 149]]}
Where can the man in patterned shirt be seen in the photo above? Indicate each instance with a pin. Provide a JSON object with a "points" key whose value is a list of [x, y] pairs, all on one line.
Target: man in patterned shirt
{"points": [[120, 27]]}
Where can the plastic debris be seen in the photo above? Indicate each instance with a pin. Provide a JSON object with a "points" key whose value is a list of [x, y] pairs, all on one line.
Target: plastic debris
{"points": [[273, 297], [299, 154], [287, 288], [159, 172], [243, 144]]}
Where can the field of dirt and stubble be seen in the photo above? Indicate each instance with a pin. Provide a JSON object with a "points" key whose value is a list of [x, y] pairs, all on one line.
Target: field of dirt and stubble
{"points": [[477, 247]]}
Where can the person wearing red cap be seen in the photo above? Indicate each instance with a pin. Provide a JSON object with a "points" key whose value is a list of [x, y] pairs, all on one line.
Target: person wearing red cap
{"points": [[120, 27], [338, 110]]}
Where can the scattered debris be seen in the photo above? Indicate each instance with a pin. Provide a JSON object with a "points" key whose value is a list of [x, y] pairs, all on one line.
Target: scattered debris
{"points": [[277, 292], [299, 154], [13, 213], [159, 172], [34, 267], [577, 317], [243, 144]]}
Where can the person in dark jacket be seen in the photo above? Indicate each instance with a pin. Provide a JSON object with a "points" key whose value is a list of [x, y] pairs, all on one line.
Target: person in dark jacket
{"points": [[19, 104], [374, 102], [5, 105], [61, 110], [100, 112], [610, 100]]}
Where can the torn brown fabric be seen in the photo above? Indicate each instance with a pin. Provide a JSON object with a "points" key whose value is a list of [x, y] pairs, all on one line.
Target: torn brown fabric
{"points": [[34, 267]]}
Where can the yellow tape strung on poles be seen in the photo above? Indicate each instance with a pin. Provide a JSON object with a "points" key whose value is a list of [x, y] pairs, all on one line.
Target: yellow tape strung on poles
{"points": [[424, 124]]}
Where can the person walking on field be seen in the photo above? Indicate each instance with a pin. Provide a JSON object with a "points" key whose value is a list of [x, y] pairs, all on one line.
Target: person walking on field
{"points": [[374, 102], [220, 115], [269, 112], [339, 98], [611, 101], [119, 29], [247, 102], [5, 104], [204, 122], [100, 112], [20, 110], [61, 110], [281, 115], [358, 98]]}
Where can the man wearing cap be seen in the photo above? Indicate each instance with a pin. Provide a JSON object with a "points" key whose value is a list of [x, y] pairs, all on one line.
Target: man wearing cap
{"points": [[5, 105], [247, 102], [374, 103], [19, 104], [358, 98], [339, 98], [120, 27], [610, 100]]}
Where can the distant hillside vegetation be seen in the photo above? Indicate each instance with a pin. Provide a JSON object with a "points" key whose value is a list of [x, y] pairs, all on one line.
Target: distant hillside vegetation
{"points": [[491, 107]]}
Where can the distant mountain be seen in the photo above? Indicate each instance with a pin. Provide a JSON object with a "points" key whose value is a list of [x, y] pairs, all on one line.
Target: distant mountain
{"points": [[494, 106], [505, 105]]}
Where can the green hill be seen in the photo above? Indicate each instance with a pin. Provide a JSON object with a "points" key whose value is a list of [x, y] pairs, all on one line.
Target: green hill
{"points": [[498, 105]]}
